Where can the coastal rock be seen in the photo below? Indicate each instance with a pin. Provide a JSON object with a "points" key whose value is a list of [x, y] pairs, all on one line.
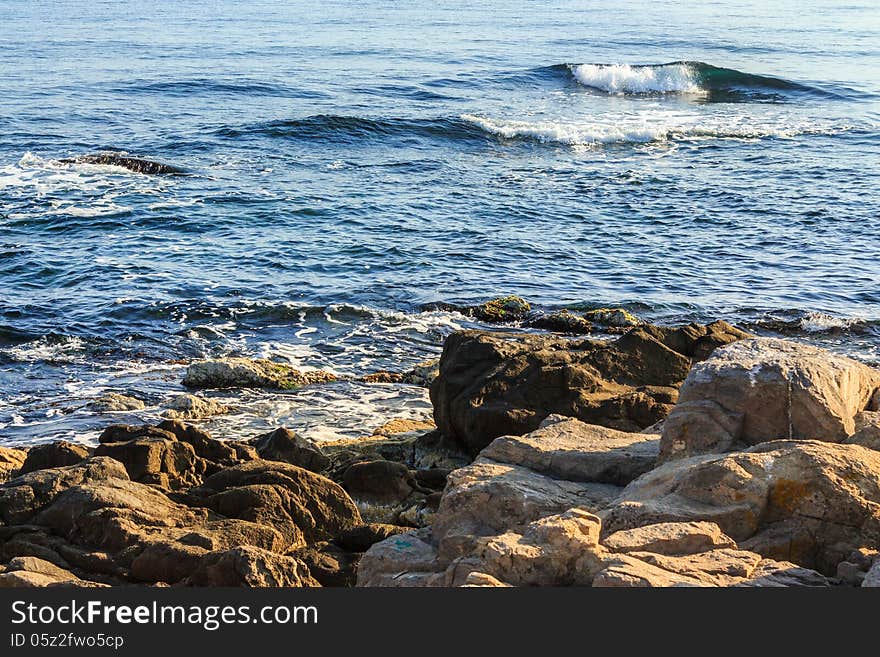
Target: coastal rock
{"points": [[23, 497], [494, 384], [483, 580], [722, 567], [872, 578], [251, 373], [252, 567], [360, 538], [670, 538], [11, 461], [32, 571], [302, 505], [487, 498], [399, 426], [53, 455], [867, 432], [188, 407], [329, 564], [857, 565], [289, 447], [403, 560], [379, 482], [558, 550], [612, 317], [382, 376], [808, 502], [36, 572], [502, 309], [165, 462], [423, 374], [218, 452], [567, 448], [562, 321], [113, 402], [764, 389]]}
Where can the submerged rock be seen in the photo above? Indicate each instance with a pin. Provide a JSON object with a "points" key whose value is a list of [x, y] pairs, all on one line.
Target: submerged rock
{"points": [[612, 317], [765, 389], [189, 407], [562, 321], [113, 402], [503, 309], [249, 373], [135, 164], [499, 310]]}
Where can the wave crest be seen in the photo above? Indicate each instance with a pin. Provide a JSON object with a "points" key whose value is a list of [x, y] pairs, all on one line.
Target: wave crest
{"points": [[678, 77]]}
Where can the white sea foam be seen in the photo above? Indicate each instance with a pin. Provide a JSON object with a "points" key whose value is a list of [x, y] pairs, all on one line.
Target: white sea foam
{"points": [[626, 79], [821, 322], [650, 127], [568, 132]]}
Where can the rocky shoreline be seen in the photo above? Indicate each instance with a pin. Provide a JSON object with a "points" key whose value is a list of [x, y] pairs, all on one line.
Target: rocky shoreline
{"points": [[690, 456]]}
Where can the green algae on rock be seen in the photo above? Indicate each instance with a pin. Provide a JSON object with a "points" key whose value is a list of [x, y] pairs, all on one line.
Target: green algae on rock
{"points": [[251, 373]]}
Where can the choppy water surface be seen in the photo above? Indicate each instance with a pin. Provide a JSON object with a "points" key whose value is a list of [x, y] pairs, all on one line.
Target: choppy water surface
{"points": [[348, 164]]}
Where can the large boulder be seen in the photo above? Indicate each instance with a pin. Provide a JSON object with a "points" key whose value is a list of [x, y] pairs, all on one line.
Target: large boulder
{"points": [[36, 572], [305, 507], [379, 482], [808, 502], [250, 373], [53, 455], [567, 448], [24, 496], [765, 389], [163, 461], [487, 498], [252, 567], [494, 384], [172, 455], [284, 445], [218, 452]]}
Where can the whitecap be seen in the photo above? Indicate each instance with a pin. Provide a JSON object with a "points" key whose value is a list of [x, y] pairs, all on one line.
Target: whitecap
{"points": [[626, 79]]}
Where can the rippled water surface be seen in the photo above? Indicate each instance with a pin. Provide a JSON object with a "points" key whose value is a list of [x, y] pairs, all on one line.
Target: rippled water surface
{"points": [[348, 162]]}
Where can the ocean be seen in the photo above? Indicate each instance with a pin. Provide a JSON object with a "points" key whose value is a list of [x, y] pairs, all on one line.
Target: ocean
{"points": [[348, 163]]}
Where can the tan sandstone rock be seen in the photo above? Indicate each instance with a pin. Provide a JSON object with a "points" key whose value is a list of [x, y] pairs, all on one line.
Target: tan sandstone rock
{"points": [[763, 389]]}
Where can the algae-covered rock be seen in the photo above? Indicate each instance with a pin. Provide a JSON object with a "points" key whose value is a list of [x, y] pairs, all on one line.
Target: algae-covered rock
{"points": [[251, 373]]}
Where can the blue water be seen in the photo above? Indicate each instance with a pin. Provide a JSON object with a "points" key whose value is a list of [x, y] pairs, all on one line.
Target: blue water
{"points": [[350, 162]]}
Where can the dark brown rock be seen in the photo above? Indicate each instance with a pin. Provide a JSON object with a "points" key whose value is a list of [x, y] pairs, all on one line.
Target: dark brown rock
{"points": [[494, 384], [164, 462], [53, 455], [330, 565], [360, 538], [251, 567], [304, 506], [289, 447], [379, 482]]}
